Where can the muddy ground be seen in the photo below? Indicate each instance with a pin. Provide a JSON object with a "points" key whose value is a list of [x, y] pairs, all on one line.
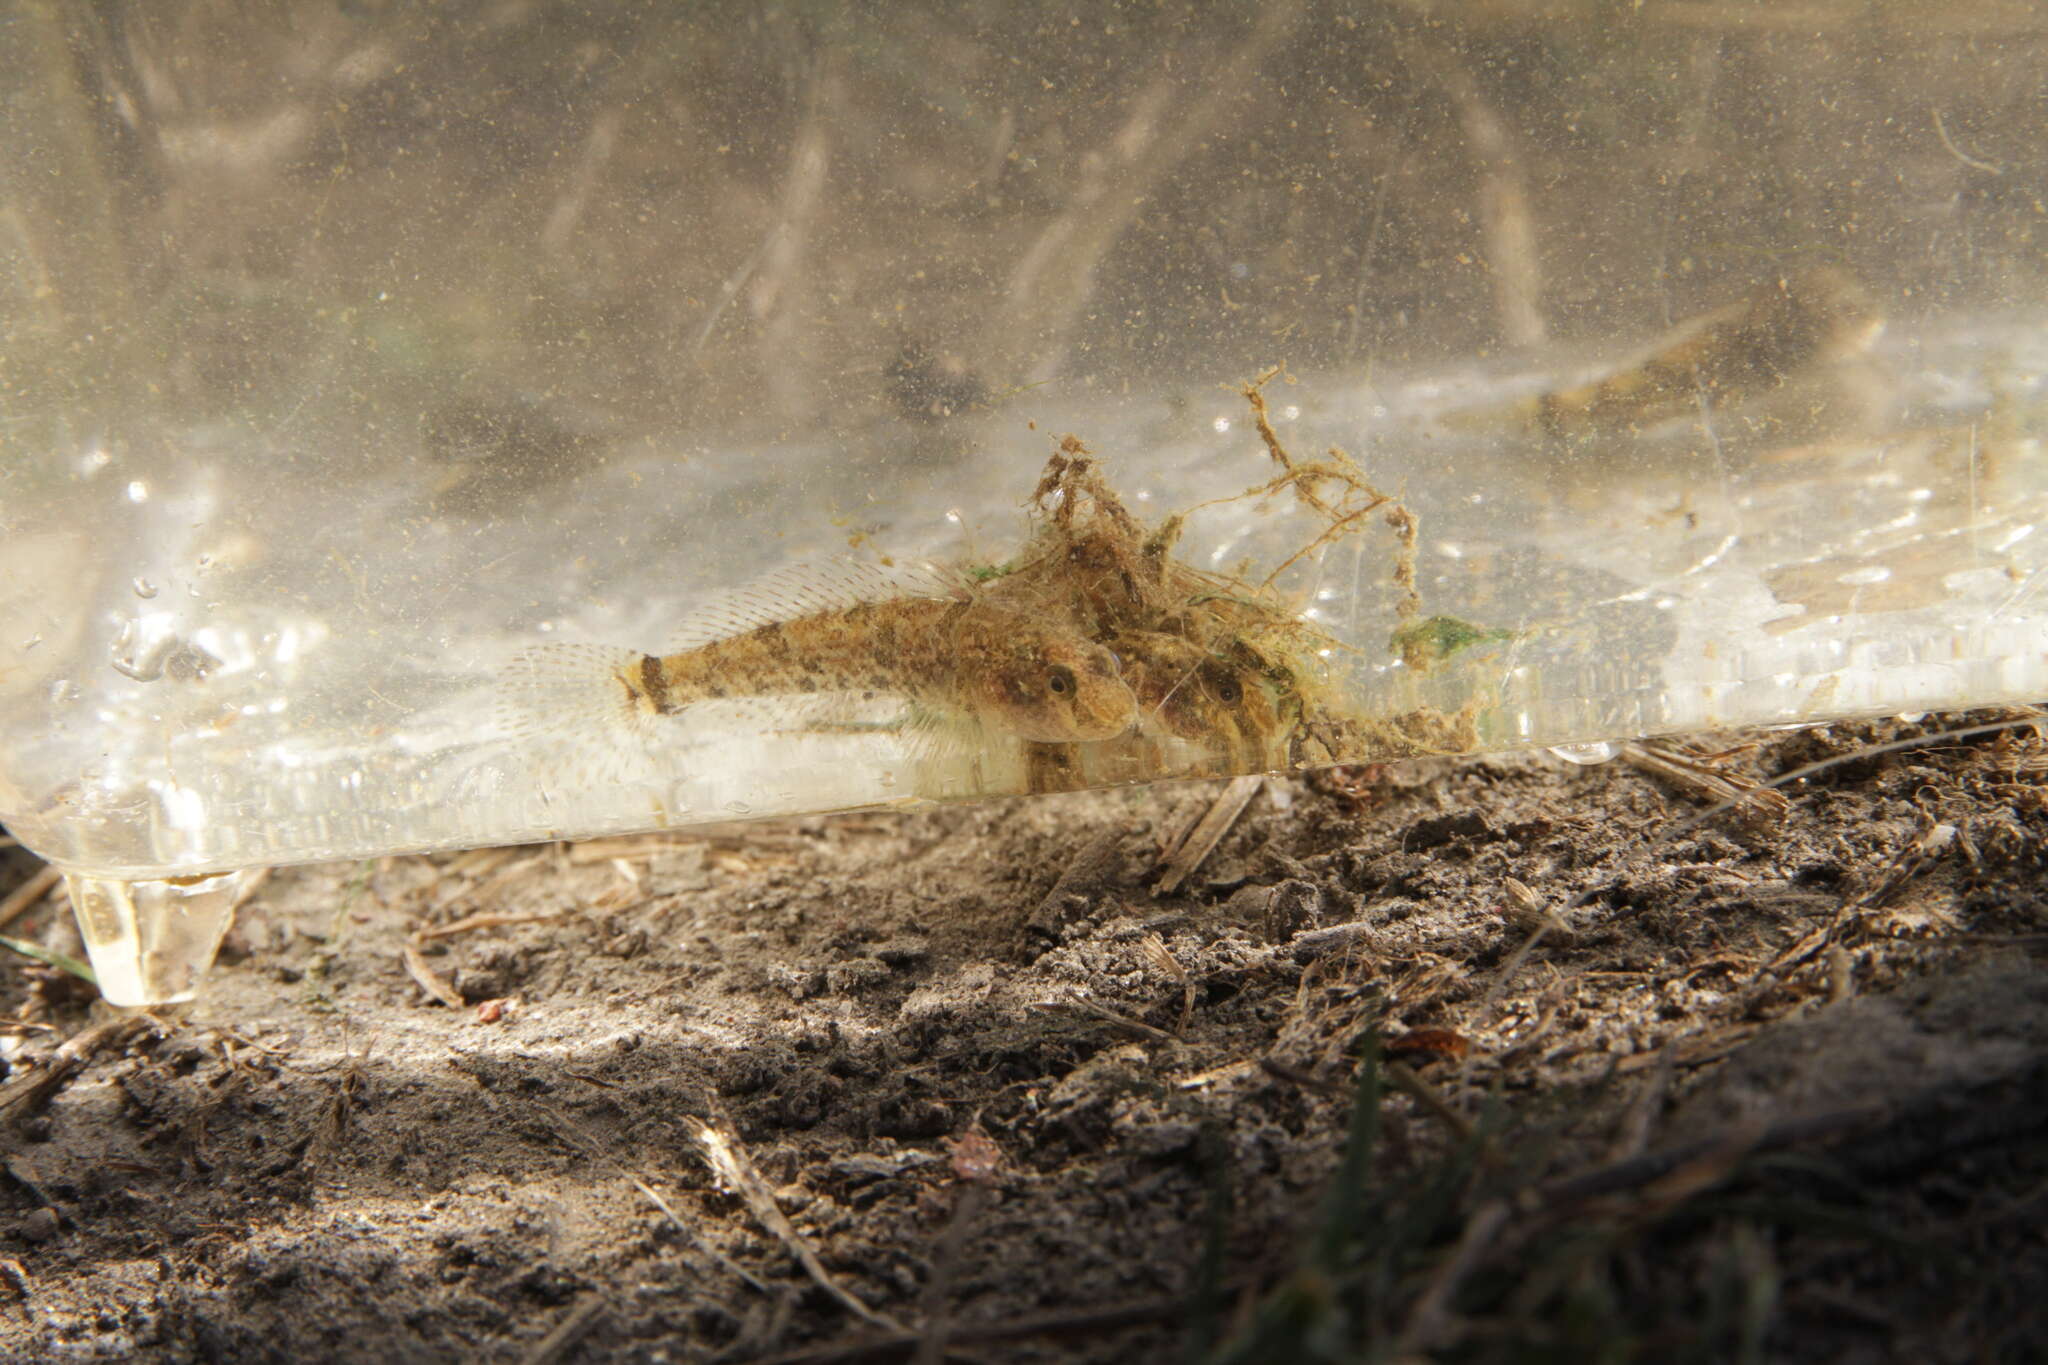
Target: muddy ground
{"points": [[1770, 1089]]}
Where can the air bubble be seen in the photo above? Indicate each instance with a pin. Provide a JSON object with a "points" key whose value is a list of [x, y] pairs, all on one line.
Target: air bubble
{"points": [[1864, 577], [1586, 755], [144, 588]]}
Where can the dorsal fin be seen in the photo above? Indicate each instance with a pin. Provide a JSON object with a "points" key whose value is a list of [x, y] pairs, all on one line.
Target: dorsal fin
{"points": [[808, 590]]}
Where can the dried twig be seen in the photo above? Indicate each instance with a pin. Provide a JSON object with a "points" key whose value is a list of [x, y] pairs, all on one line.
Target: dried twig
{"points": [[636, 849], [1109, 185], [1974, 163], [1696, 1051], [252, 882], [1632, 1134], [976, 1162], [1506, 223], [1192, 848], [1929, 843], [1693, 822], [1307, 1080], [1569, 1192]]}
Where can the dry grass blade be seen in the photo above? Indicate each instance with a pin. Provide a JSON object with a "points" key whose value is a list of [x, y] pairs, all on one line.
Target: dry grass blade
{"points": [[1154, 948], [1697, 1157], [1082, 1005], [1926, 846], [1086, 1322], [1431, 1313], [557, 1344], [1632, 1133], [729, 1161], [637, 850], [1402, 1077], [730, 1266], [574, 1135], [485, 920], [1707, 779], [28, 894], [1809, 943], [253, 881], [430, 981], [1693, 822], [480, 862], [34, 1089], [1201, 839]]}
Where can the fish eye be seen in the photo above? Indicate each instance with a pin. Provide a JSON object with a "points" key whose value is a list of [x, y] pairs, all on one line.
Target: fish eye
{"points": [[1227, 691], [1062, 681]]}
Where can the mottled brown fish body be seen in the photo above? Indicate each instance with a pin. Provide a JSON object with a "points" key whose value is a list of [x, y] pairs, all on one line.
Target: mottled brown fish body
{"points": [[950, 655], [897, 647], [1727, 356]]}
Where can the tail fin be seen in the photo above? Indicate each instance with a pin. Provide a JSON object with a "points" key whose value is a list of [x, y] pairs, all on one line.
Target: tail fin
{"points": [[580, 700]]}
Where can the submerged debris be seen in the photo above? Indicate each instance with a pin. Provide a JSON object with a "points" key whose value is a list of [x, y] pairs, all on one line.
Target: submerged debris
{"points": [[1728, 356], [1229, 676], [1422, 645]]}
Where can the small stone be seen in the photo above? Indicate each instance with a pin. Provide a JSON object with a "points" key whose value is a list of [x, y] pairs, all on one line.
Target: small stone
{"points": [[39, 1226]]}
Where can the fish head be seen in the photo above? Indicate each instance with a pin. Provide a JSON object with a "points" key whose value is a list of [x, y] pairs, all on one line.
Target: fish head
{"points": [[1213, 699], [1054, 689]]}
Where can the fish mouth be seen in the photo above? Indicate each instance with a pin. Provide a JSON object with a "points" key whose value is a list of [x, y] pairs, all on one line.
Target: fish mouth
{"points": [[1126, 718]]}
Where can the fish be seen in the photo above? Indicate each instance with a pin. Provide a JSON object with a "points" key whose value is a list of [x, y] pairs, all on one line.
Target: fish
{"points": [[1198, 713], [1223, 673], [927, 638], [1729, 356]]}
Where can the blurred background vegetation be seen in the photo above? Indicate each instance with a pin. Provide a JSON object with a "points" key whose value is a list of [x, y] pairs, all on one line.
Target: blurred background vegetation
{"points": [[732, 216]]}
